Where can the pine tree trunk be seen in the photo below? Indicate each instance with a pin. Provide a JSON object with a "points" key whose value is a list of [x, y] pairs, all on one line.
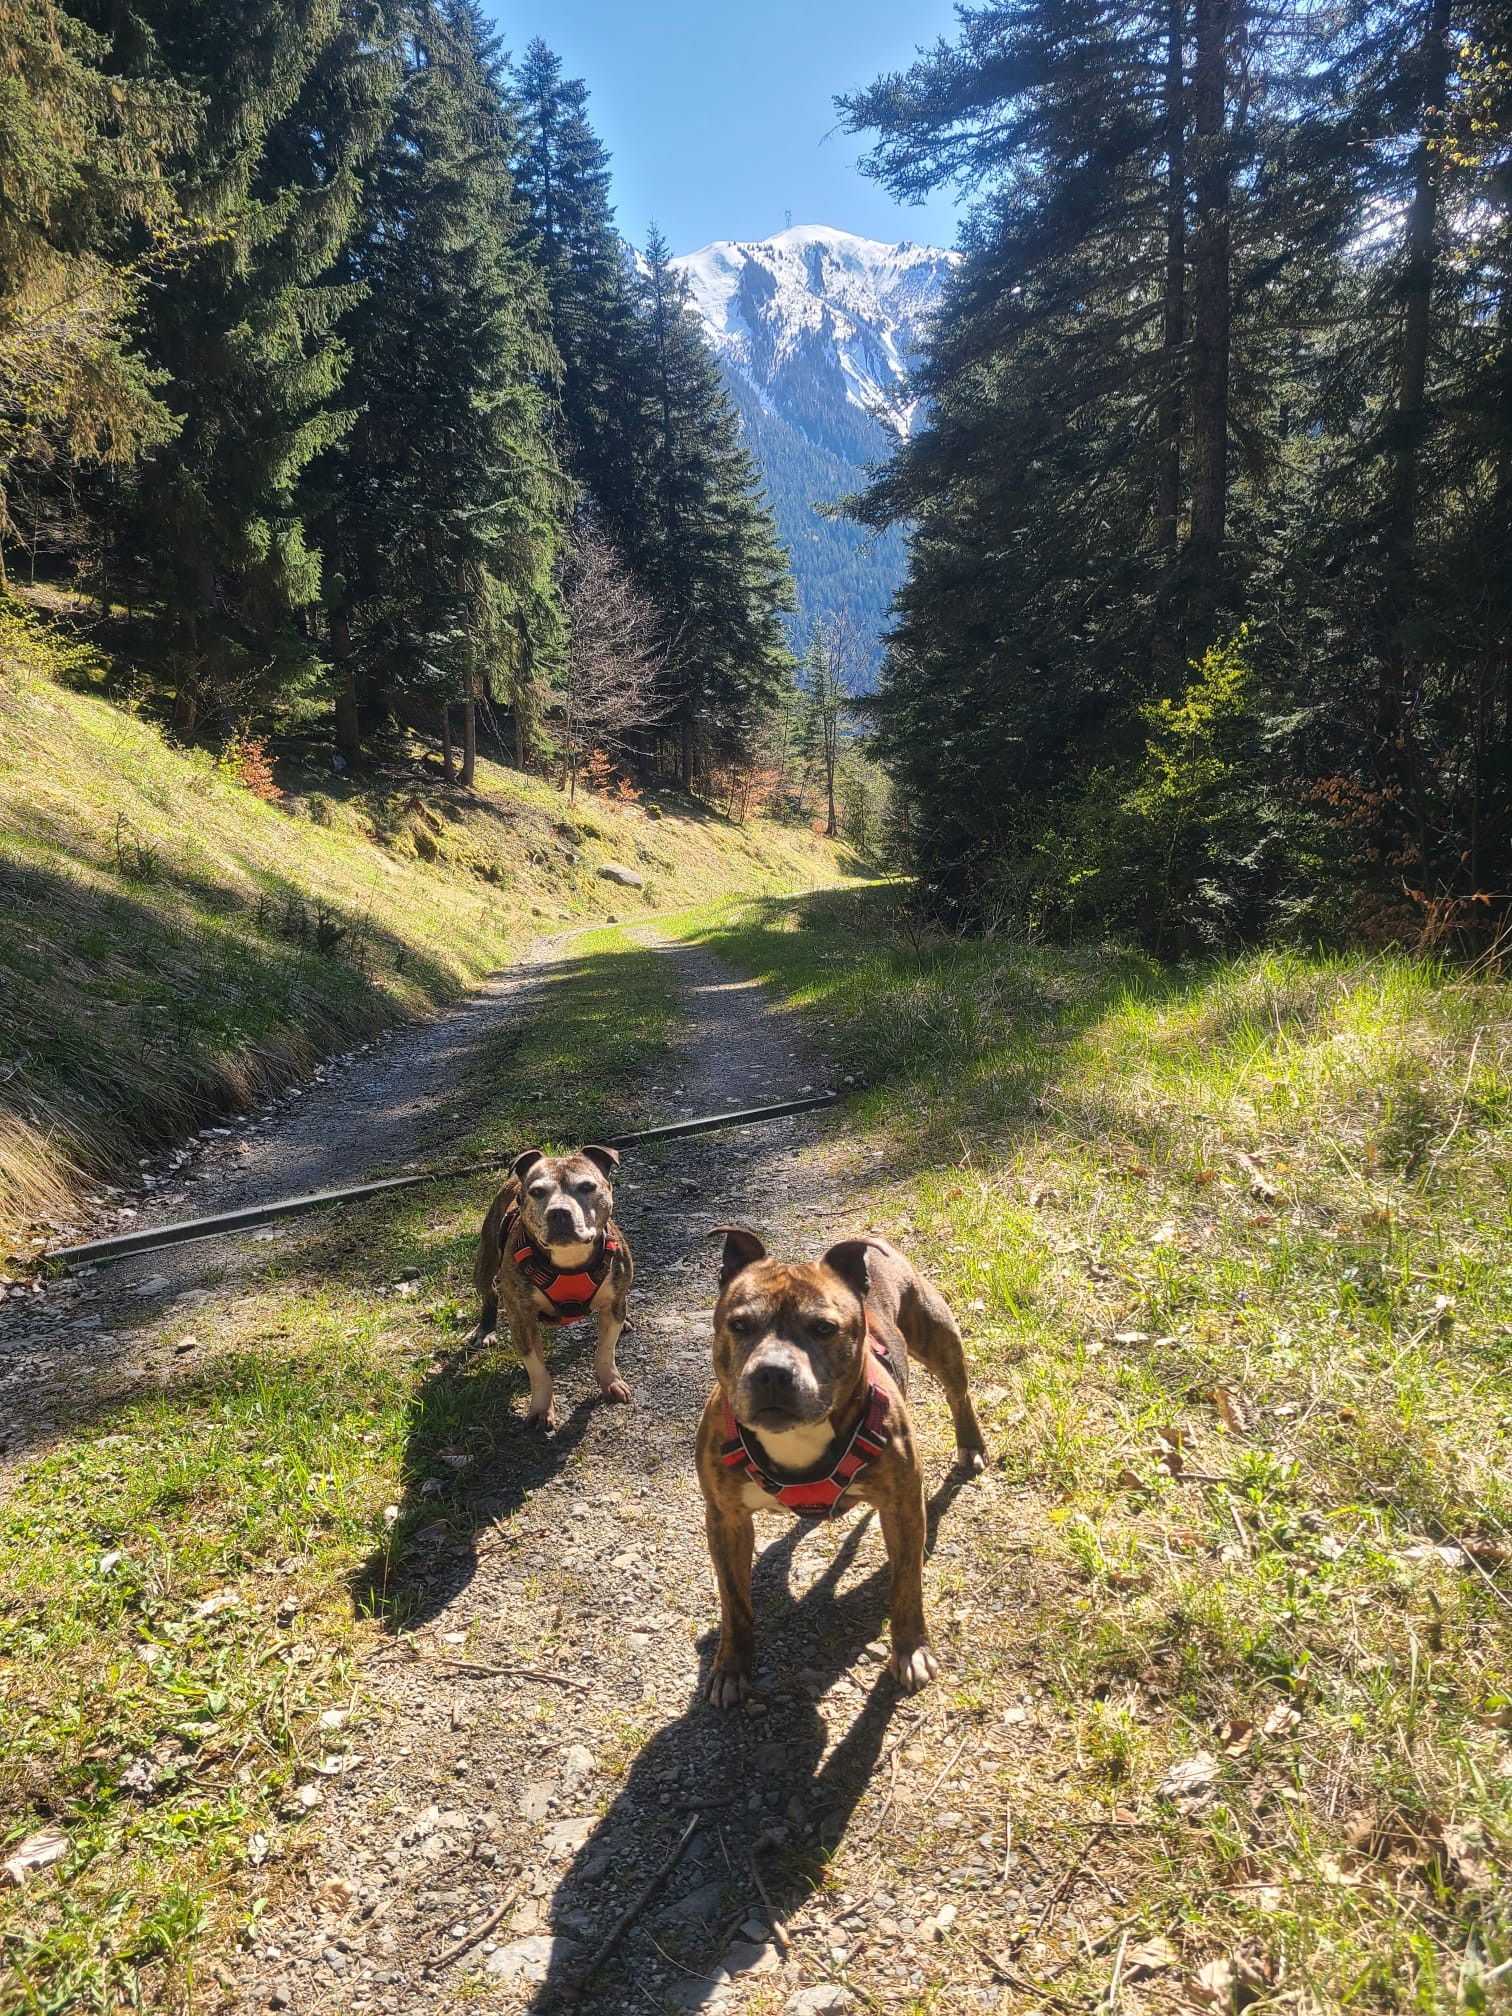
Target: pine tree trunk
{"points": [[687, 753], [1173, 342], [1210, 314], [469, 742], [348, 736], [448, 768], [1408, 417]]}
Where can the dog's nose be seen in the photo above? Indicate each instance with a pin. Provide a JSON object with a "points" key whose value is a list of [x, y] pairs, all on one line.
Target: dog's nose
{"points": [[773, 1383], [559, 1223]]}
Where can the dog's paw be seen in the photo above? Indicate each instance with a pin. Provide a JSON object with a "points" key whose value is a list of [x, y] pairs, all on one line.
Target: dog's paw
{"points": [[914, 1670], [615, 1389], [970, 1462], [727, 1687], [542, 1420]]}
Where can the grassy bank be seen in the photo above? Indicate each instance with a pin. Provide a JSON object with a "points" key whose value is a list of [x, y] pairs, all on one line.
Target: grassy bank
{"points": [[190, 1573], [171, 944], [1232, 1245]]}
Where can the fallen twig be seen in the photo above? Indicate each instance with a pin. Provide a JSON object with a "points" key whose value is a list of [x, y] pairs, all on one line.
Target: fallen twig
{"points": [[959, 1749], [1094, 1946], [779, 1930], [571, 1991], [480, 1931], [516, 1673]]}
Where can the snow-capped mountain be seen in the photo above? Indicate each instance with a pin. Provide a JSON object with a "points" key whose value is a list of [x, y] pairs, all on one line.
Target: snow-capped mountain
{"points": [[817, 307], [815, 329]]}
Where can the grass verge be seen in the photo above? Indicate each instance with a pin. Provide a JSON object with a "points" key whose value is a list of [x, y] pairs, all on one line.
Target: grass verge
{"points": [[171, 945], [194, 1573], [1231, 1243]]}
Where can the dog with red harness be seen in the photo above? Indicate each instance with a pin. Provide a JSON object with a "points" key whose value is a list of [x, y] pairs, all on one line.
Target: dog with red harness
{"points": [[550, 1253], [809, 1415]]}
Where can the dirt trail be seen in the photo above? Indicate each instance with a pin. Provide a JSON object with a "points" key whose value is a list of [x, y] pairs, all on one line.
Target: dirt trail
{"points": [[373, 1112], [586, 1557]]}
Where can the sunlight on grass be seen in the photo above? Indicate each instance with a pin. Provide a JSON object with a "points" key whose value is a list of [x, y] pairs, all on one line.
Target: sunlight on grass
{"points": [[1231, 1244]]}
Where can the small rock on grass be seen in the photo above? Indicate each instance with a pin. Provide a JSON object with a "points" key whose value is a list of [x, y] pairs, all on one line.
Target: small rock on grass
{"points": [[829, 1999]]}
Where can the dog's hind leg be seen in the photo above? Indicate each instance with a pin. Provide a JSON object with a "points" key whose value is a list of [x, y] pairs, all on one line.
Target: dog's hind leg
{"points": [[488, 1323], [934, 1338]]}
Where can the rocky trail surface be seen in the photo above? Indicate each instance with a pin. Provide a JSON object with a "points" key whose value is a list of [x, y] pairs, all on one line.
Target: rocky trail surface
{"points": [[533, 1746]]}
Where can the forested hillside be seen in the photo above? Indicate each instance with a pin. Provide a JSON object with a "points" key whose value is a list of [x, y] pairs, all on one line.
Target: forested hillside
{"points": [[325, 372], [1205, 633]]}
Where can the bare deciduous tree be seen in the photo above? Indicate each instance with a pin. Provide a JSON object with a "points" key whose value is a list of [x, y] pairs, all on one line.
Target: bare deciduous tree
{"points": [[613, 657]]}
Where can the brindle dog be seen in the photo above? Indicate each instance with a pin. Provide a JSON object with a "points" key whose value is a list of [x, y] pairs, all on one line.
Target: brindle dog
{"points": [[799, 1381], [550, 1252]]}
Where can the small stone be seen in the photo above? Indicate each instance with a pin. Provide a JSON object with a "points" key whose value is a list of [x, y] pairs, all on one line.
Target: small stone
{"points": [[532, 1959], [185, 1344], [577, 1766], [829, 1999], [752, 1957], [279, 1996], [612, 871]]}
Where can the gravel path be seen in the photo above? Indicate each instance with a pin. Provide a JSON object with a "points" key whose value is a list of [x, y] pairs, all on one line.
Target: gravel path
{"points": [[586, 1559], [372, 1112]]}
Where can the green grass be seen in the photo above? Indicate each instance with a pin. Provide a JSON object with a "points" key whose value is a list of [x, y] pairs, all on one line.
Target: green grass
{"points": [[1248, 1222], [170, 945], [307, 1471]]}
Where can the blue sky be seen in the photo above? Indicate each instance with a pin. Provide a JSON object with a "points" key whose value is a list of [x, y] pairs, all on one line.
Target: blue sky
{"points": [[716, 111]]}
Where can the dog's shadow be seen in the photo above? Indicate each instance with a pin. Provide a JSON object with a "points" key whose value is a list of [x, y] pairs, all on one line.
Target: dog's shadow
{"points": [[770, 1787], [469, 1463]]}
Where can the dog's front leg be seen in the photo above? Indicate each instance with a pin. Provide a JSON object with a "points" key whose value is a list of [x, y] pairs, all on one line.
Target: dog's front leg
{"points": [[611, 1321], [913, 1664], [541, 1413], [732, 1541]]}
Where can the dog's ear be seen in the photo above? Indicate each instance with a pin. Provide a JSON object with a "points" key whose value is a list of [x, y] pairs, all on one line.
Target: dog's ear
{"points": [[522, 1165], [742, 1249], [848, 1260], [608, 1159]]}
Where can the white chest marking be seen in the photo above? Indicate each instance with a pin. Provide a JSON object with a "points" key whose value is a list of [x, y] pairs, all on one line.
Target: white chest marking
{"points": [[796, 1448]]}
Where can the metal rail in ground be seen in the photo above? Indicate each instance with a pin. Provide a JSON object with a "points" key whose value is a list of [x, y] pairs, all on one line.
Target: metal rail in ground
{"points": [[151, 1237]]}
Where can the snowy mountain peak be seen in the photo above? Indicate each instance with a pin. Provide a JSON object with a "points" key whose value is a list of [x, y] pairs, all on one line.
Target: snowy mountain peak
{"points": [[815, 316]]}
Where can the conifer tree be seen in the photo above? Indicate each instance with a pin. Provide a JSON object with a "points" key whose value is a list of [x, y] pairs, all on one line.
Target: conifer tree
{"points": [[87, 215], [295, 92], [706, 546], [608, 412], [450, 501]]}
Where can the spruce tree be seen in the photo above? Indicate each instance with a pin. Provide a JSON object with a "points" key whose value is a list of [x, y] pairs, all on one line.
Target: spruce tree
{"points": [[562, 178], [706, 545], [450, 503], [87, 218], [294, 96]]}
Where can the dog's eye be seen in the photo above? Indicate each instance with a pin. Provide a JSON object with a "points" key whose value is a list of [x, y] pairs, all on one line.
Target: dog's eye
{"points": [[540, 1189], [585, 1188], [824, 1326]]}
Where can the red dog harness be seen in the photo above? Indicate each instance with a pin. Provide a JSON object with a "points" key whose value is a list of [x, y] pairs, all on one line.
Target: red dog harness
{"points": [[822, 1497], [570, 1295]]}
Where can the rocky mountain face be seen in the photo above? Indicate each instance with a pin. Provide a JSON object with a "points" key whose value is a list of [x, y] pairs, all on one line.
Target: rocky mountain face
{"points": [[815, 330]]}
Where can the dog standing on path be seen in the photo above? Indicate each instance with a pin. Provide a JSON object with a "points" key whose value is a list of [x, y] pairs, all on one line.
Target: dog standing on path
{"points": [[809, 1416], [550, 1253]]}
